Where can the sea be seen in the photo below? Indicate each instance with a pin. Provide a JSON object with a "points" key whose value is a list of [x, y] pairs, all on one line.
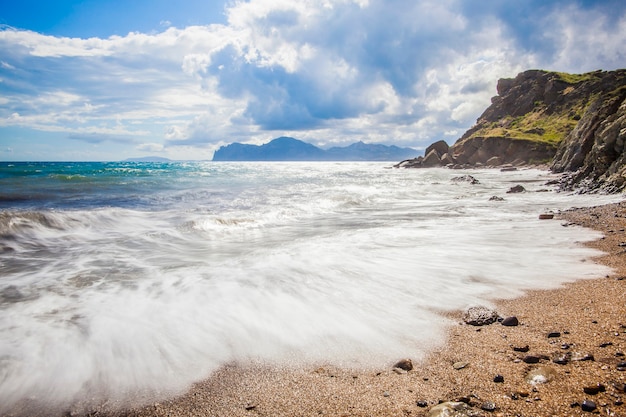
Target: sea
{"points": [[130, 281]]}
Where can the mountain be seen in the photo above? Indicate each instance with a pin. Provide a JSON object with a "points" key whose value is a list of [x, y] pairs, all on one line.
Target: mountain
{"points": [[575, 123], [290, 149]]}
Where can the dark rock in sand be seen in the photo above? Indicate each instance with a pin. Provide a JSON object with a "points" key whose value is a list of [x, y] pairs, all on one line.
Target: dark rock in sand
{"points": [[516, 189], [605, 344], [422, 404], [523, 349], [496, 198], [594, 389], [510, 321], [621, 366], [554, 334], [498, 379], [531, 359], [480, 316], [588, 406], [546, 216], [404, 364]]}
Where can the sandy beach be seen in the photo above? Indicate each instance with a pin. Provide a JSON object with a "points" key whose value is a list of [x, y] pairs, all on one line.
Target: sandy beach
{"points": [[576, 335]]}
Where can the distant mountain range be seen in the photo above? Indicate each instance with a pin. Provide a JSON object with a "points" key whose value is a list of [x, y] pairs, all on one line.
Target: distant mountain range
{"points": [[290, 149]]}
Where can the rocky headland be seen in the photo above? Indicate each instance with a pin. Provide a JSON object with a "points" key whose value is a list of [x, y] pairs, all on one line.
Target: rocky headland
{"points": [[576, 124]]}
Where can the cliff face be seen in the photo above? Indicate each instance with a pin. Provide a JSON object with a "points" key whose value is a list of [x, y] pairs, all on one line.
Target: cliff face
{"points": [[575, 123]]}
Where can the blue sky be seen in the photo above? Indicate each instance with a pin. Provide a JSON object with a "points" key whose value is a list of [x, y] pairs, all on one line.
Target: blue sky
{"points": [[107, 80]]}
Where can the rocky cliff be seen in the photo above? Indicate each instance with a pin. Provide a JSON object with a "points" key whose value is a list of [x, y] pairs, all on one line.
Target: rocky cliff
{"points": [[574, 123]]}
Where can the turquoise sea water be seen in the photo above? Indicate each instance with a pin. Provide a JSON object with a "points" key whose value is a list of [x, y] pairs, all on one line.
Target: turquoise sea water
{"points": [[124, 282]]}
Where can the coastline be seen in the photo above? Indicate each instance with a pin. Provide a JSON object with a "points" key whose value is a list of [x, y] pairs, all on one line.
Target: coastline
{"points": [[589, 315]]}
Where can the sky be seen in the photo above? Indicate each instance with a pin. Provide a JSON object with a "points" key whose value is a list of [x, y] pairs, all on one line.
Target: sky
{"points": [[100, 80]]}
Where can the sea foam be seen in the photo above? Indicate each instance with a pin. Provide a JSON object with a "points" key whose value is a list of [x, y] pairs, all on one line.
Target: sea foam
{"points": [[293, 264]]}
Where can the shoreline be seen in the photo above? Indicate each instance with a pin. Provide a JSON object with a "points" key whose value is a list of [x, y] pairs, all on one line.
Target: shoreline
{"points": [[588, 315]]}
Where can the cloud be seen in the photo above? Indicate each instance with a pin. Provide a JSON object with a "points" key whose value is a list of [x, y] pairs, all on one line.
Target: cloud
{"points": [[150, 147], [328, 71]]}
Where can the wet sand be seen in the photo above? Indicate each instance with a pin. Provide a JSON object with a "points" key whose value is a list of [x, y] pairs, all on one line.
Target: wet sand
{"points": [[587, 319]]}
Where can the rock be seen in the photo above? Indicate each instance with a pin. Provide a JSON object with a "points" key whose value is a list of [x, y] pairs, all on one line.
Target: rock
{"points": [[404, 364], [540, 375], [460, 365], [440, 147], [508, 169], [606, 344], [523, 349], [494, 161], [498, 379], [422, 404], [561, 359], [465, 178], [452, 409], [594, 389], [546, 216], [554, 334], [432, 159], [510, 321], [399, 371], [621, 366], [488, 406], [480, 316], [531, 359], [588, 406], [516, 189], [496, 198]]}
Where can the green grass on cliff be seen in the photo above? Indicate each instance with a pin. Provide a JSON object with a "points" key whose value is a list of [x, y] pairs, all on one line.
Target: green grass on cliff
{"points": [[535, 126], [577, 78]]}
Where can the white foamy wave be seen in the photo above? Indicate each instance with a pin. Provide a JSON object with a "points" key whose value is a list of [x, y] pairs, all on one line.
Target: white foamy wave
{"points": [[336, 263]]}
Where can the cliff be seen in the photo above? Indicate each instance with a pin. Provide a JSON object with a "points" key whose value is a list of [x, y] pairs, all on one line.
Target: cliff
{"points": [[574, 123], [290, 149]]}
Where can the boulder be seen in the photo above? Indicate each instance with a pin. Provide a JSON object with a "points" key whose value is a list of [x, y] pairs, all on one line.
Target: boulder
{"points": [[441, 147], [480, 316], [432, 159]]}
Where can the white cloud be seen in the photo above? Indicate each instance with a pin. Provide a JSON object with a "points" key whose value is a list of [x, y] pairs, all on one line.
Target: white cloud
{"points": [[150, 147], [322, 70]]}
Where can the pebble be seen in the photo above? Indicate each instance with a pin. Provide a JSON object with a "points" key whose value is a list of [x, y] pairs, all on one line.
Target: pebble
{"points": [[546, 216], [588, 406], [605, 344], [498, 378], [510, 321], [521, 348], [594, 389], [531, 359], [621, 366], [460, 365], [488, 406], [554, 334], [451, 408], [561, 359], [404, 364], [422, 404]]}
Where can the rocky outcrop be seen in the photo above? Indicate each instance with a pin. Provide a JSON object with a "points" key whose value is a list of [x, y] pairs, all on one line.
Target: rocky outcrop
{"points": [[574, 123], [593, 153]]}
